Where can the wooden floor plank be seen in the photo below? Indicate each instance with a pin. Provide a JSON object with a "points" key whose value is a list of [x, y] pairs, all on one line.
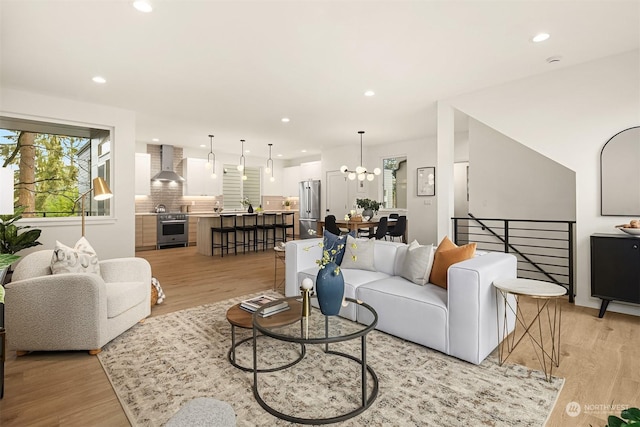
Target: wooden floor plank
{"points": [[70, 388]]}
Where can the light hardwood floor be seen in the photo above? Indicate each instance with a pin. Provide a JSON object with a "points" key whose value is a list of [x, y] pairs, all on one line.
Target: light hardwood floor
{"points": [[598, 356]]}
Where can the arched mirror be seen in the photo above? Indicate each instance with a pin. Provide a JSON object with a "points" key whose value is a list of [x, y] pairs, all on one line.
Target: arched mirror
{"points": [[620, 174]]}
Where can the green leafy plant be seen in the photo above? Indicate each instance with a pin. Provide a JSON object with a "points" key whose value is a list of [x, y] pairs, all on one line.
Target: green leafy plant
{"points": [[368, 204], [13, 238], [631, 415]]}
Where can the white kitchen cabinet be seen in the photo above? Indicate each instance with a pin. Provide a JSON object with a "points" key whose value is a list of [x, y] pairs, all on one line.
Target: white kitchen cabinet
{"points": [[291, 178], [310, 170], [198, 181], [143, 174]]}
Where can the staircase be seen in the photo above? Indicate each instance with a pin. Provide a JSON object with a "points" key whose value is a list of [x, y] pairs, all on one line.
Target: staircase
{"points": [[544, 248]]}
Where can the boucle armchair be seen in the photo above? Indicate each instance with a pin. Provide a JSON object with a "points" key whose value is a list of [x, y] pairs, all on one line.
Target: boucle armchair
{"points": [[74, 311]]}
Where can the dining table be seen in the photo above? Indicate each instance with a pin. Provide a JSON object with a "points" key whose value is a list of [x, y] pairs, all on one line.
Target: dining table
{"points": [[351, 225]]}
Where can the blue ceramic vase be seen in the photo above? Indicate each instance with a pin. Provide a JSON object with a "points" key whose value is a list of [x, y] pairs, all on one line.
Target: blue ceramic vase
{"points": [[330, 289]]}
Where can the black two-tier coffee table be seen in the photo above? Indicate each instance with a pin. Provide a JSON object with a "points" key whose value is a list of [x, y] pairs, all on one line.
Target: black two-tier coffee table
{"points": [[319, 329]]}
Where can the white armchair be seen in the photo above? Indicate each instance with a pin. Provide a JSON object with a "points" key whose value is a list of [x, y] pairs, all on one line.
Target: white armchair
{"points": [[74, 311]]}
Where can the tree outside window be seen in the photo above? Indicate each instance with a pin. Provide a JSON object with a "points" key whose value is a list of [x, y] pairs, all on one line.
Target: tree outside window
{"points": [[52, 169]]}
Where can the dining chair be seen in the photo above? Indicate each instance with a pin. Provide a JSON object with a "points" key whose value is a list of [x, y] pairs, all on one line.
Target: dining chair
{"points": [[331, 226], [399, 228], [381, 231]]}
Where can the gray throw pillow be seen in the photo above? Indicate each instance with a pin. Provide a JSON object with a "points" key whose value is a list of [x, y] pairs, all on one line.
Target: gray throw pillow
{"points": [[358, 253], [417, 263]]}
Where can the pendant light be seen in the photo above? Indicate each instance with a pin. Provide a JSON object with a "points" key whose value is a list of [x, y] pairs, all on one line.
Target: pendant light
{"points": [[360, 172], [240, 167], [211, 159], [269, 169]]}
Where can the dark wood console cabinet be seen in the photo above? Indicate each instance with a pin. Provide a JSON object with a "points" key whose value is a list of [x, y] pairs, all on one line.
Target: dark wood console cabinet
{"points": [[615, 269]]}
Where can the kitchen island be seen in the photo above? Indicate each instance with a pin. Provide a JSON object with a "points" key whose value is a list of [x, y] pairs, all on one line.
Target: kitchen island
{"points": [[208, 220]]}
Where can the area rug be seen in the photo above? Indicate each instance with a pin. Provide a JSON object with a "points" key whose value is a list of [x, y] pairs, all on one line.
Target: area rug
{"points": [[159, 365]]}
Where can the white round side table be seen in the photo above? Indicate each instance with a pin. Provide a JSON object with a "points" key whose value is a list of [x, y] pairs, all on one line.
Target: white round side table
{"points": [[545, 294]]}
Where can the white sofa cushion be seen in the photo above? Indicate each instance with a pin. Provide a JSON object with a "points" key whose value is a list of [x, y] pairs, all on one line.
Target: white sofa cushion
{"points": [[415, 313], [385, 256]]}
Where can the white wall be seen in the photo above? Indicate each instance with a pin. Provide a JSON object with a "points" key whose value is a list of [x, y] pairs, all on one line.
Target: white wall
{"points": [[112, 237], [268, 188], [509, 180], [568, 115]]}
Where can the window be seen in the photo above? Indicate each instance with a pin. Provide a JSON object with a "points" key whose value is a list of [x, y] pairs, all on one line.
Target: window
{"points": [[394, 183], [235, 189], [54, 164]]}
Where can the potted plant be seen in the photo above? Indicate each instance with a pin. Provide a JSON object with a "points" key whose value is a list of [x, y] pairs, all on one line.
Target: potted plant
{"points": [[629, 416], [369, 207], [287, 204], [13, 239]]}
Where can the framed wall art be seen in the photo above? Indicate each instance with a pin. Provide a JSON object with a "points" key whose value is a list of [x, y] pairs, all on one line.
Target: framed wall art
{"points": [[426, 181]]}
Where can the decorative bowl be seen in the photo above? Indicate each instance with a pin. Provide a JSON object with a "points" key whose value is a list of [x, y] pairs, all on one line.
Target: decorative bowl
{"points": [[629, 230]]}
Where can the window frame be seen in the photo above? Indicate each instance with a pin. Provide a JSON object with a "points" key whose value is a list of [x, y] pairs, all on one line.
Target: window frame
{"points": [[60, 127]]}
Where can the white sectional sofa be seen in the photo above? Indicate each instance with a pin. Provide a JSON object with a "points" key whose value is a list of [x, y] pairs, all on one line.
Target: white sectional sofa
{"points": [[461, 321]]}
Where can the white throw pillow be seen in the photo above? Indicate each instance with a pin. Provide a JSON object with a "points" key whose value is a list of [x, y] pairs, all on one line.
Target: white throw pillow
{"points": [[358, 253], [82, 258], [417, 263]]}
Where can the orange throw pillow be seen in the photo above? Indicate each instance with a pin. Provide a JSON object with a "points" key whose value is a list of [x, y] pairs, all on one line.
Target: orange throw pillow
{"points": [[446, 255]]}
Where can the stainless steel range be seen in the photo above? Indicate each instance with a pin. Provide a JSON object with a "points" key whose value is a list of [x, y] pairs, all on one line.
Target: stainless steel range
{"points": [[173, 230]]}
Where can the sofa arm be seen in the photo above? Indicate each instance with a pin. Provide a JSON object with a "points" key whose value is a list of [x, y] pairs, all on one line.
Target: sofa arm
{"points": [[300, 255], [126, 270], [62, 311], [472, 306]]}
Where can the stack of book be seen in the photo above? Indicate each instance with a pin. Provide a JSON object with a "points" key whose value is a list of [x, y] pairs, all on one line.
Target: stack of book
{"points": [[251, 305]]}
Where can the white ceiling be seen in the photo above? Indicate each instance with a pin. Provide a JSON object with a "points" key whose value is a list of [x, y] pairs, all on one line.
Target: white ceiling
{"points": [[235, 68]]}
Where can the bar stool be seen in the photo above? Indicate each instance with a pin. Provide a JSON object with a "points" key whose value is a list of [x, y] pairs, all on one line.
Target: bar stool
{"points": [[227, 226], [248, 229], [267, 224], [286, 222]]}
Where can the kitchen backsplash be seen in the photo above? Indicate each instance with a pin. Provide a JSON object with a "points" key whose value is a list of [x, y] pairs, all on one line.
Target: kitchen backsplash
{"points": [[170, 193]]}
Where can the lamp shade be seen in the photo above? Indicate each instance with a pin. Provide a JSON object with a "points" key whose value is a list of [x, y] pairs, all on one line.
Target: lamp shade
{"points": [[6, 191], [101, 190]]}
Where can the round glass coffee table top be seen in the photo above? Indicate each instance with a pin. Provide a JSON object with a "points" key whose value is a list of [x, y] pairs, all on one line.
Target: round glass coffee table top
{"points": [[316, 328]]}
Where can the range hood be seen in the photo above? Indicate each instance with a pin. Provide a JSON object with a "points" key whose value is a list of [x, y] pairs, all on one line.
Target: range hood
{"points": [[167, 173]]}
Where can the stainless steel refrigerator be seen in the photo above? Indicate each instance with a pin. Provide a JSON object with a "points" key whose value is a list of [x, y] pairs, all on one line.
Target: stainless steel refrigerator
{"points": [[309, 203]]}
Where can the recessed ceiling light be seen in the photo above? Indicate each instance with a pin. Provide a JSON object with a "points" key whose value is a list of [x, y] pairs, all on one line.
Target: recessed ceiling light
{"points": [[247, 151], [98, 79], [143, 5], [540, 37], [285, 120], [303, 151], [369, 93], [155, 139], [203, 145], [279, 155]]}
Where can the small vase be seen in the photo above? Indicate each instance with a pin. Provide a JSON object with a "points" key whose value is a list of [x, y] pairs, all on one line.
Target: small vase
{"points": [[250, 209], [367, 212], [330, 289]]}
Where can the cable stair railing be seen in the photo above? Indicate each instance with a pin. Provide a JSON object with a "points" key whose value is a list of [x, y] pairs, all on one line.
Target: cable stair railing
{"points": [[544, 248]]}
